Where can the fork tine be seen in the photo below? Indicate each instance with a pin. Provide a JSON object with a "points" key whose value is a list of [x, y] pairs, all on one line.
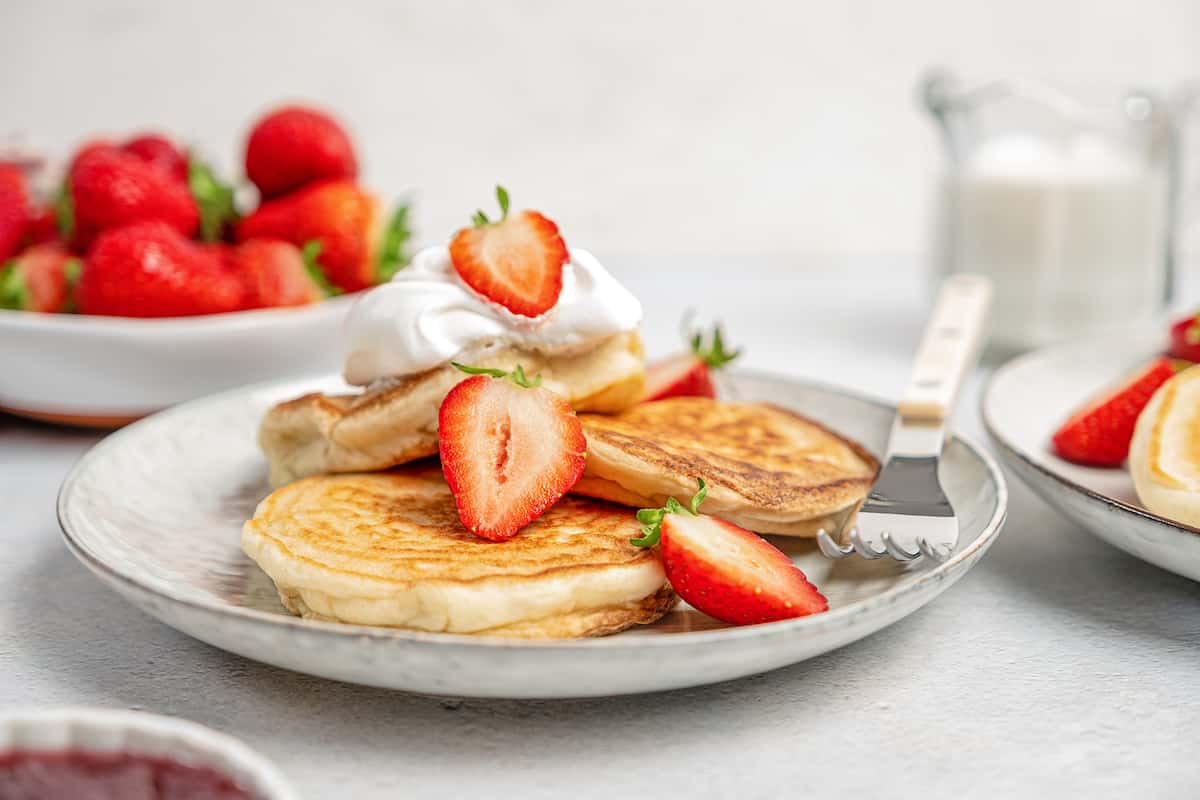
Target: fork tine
{"points": [[897, 552], [830, 548], [864, 549], [930, 552]]}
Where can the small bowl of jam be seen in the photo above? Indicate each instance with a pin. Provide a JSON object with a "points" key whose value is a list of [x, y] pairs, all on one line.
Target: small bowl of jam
{"points": [[110, 754]]}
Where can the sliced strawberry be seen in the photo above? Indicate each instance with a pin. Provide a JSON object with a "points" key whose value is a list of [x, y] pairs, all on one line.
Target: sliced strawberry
{"points": [[681, 375], [516, 262], [1099, 434], [725, 571], [689, 374], [510, 449], [40, 279]]}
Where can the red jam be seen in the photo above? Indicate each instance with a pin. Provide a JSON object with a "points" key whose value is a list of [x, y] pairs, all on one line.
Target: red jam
{"points": [[109, 776]]}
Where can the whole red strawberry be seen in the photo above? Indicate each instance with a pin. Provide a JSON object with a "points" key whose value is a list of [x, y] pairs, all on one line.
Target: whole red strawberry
{"points": [[16, 212], [356, 248], [40, 279], [149, 269], [294, 146], [277, 273], [1185, 339], [160, 152], [109, 188]]}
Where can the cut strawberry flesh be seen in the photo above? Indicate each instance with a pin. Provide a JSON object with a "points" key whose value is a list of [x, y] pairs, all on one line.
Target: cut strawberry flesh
{"points": [[516, 262], [730, 573], [682, 375], [508, 453]]}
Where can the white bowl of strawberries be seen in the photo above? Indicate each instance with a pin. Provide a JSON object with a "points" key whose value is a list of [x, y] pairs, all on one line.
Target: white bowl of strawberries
{"points": [[139, 285]]}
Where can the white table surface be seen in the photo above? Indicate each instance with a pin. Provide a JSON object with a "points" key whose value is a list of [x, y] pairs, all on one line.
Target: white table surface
{"points": [[1059, 667]]}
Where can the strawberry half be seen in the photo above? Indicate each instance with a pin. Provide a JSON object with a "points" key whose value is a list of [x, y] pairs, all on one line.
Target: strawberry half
{"points": [[516, 261], [725, 571], [689, 374], [510, 449], [40, 279], [1098, 435]]}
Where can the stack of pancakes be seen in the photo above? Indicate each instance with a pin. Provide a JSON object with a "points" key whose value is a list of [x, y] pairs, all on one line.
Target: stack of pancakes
{"points": [[350, 543]]}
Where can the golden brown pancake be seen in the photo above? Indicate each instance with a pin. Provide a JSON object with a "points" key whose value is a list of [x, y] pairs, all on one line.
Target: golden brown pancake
{"points": [[388, 549], [768, 469], [396, 421]]}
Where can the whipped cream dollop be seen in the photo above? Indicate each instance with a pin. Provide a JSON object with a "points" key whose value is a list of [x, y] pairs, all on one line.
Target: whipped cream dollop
{"points": [[426, 316]]}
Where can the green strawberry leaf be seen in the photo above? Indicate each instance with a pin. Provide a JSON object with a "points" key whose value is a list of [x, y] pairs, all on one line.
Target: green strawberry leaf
{"points": [[651, 518], [72, 268], [393, 254], [64, 211], [713, 352], [13, 292], [310, 251], [517, 376], [213, 198], [479, 219]]}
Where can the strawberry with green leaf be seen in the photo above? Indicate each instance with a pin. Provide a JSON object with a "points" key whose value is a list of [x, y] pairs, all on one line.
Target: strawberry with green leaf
{"points": [[41, 279], [358, 248], [516, 261], [690, 374], [277, 273], [724, 570]]}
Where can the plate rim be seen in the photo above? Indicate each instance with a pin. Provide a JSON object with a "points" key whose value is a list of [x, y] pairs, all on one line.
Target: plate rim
{"points": [[828, 620], [1013, 451]]}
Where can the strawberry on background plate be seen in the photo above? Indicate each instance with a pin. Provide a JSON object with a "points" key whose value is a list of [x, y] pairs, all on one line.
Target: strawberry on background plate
{"points": [[40, 279], [689, 374], [150, 269], [16, 211], [1099, 434], [510, 449], [160, 152], [723, 570], [293, 146], [277, 273], [108, 188], [357, 249], [516, 261]]}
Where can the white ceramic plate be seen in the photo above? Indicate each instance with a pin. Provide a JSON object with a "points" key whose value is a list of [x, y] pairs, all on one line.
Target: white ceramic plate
{"points": [[155, 510], [105, 371], [1025, 402], [108, 730]]}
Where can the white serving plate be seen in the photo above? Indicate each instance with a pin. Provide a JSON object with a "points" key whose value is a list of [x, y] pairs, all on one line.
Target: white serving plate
{"points": [[155, 510], [106, 730], [1028, 398], [106, 371]]}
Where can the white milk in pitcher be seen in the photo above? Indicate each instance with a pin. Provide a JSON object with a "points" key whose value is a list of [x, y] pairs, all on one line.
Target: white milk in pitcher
{"points": [[1074, 238]]}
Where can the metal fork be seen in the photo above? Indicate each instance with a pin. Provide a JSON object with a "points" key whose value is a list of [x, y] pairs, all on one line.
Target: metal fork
{"points": [[907, 515]]}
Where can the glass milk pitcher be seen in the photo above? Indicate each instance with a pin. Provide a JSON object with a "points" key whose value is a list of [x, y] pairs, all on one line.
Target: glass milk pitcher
{"points": [[1068, 207]]}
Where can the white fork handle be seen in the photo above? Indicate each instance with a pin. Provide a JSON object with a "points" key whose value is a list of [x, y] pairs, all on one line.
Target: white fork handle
{"points": [[949, 348]]}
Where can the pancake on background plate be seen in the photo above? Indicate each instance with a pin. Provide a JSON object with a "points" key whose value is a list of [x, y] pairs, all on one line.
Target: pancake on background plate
{"points": [[388, 549], [768, 469], [394, 422]]}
